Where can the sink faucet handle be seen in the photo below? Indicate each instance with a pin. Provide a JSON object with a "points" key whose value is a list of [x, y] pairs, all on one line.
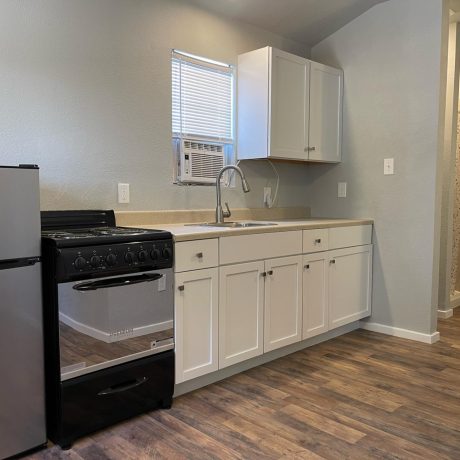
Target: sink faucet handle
{"points": [[227, 213]]}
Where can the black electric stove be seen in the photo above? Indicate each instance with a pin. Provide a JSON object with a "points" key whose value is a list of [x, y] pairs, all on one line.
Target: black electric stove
{"points": [[109, 321]]}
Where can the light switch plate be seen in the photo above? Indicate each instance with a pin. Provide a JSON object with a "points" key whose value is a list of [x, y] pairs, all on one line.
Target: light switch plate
{"points": [[342, 190], [388, 166], [123, 193]]}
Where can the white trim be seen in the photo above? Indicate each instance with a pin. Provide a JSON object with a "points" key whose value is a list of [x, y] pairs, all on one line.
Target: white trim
{"points": [[444, 314], [455, 300], [110, 338], [398, 332]]}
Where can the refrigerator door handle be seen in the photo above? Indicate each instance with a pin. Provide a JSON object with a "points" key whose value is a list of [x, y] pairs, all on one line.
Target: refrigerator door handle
{"points": [[16, 263]]}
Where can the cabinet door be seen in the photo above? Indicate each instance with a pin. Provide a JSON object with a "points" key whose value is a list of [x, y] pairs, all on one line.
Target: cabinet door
{"points": [[283, 302], [325, 136], [315, 302], [196, 323], [350, 284], [241, 299], [289, 106]]}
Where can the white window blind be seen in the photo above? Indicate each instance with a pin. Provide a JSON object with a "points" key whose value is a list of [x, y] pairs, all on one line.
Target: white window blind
{"points": [[202, 98]]}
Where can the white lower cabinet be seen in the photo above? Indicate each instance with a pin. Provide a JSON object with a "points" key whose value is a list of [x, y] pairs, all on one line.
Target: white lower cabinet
{"points": [[196, 323], [315, 294], [336, 288], [242, 309], [350, 281], [241, 312], [283, 302], [260, 308]]}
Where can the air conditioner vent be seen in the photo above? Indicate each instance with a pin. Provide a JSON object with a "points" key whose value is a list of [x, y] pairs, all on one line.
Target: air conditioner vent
{"points": [[200, 162], [201, 146]]}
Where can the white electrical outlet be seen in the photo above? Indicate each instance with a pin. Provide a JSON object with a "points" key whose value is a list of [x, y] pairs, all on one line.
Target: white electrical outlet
{"points": [[123, 193], [341, 189], [388, 166], [268, 197]]}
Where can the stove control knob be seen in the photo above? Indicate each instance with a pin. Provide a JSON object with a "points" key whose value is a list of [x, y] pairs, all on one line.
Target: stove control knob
{"points": [[79, 262], [111, 259], [155, 254], [130, 257], [143, 255], [167, 253], [95, 261]]}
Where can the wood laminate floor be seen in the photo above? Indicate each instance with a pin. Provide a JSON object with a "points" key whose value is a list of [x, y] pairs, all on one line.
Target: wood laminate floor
{"points": [[360, 396]]}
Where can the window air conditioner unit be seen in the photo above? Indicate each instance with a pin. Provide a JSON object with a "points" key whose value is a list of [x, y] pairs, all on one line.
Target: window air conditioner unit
{"points": [[200, 162]]}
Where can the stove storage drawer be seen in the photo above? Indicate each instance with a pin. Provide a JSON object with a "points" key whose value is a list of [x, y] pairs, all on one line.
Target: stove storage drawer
{"points": [[97, 400]]}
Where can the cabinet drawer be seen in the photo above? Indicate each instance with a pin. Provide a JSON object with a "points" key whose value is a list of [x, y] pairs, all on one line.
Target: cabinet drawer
{"points": [[315, 240], [193, 255], [234, 249], [345, 237]]}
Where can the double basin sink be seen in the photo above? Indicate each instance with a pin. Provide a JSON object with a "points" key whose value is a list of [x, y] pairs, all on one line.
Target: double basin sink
{"points": [[234, 224]]}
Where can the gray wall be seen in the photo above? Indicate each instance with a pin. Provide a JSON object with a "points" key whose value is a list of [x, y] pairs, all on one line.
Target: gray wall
{"points": [[85, 93], [391, 58]]}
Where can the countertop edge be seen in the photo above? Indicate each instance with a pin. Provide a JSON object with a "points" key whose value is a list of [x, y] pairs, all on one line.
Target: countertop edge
{"points": [[202, 233]]}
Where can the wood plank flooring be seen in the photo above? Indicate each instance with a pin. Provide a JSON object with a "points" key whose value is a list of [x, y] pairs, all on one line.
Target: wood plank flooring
{"points": [[360, 396]]}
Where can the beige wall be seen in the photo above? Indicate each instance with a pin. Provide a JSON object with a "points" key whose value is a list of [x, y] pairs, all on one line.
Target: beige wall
{"points": [[85, 93]]}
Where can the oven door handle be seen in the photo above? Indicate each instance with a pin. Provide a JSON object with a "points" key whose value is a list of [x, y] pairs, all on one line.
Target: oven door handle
{"points": [[117, 282], [123, 386]]}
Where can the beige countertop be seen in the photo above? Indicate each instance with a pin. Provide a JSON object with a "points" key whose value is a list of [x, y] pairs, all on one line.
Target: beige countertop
{"points": [[188, 232]]}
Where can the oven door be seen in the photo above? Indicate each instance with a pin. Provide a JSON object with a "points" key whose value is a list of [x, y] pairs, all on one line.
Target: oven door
{"points": [[112, 320]]}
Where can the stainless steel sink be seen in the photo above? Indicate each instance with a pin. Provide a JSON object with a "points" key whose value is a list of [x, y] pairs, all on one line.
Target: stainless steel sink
{"points": [[234, 224]]}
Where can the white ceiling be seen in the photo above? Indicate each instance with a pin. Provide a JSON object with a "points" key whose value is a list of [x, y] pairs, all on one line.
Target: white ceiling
{"points": [[305, 21]]}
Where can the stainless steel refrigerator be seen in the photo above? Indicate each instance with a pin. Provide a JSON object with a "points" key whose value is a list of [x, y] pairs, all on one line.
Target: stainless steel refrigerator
{"points": [[22, 393]]}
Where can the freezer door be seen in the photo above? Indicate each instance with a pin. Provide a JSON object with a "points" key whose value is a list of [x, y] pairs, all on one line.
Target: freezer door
{"points": [[19, 213], [22, 392]]}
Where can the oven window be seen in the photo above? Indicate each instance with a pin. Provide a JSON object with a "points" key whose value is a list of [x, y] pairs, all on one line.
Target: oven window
{"points": [[108, 321]]}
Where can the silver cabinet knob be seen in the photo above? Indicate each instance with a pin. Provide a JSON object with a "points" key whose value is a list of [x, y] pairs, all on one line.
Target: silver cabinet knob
{"points": [[200, 255], [307, 266], [332, 261], [181, 288], [270, 272], [318, 240]]}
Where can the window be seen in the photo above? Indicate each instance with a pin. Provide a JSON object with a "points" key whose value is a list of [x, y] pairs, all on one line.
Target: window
{"points": [[202, 116]]}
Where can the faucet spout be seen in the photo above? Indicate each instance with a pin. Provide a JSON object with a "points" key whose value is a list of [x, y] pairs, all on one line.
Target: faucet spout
{"points": [[220, 213]]}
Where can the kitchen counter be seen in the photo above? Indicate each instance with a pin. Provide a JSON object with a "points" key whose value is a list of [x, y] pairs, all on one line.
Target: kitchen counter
{"points": [[189, 232]]}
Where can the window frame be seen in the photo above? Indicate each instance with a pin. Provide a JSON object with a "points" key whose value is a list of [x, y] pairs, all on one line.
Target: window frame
{"points": [[230, 157]]}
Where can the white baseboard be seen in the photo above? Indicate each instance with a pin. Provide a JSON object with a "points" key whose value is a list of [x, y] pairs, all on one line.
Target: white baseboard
{"points": [[444, 314], [398, 332], [455, 300]]}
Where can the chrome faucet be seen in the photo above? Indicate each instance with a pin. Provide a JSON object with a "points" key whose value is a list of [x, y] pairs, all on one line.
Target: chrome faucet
{"points": [[220, 213]]}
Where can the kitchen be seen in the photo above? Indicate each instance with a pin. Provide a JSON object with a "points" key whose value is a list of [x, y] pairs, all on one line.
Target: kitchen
{"points": [[106, 68]]}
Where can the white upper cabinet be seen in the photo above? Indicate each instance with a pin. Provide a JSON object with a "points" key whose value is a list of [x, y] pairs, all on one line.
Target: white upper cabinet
{"points": [[326, 90], [289, 97], [288, 107]]}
